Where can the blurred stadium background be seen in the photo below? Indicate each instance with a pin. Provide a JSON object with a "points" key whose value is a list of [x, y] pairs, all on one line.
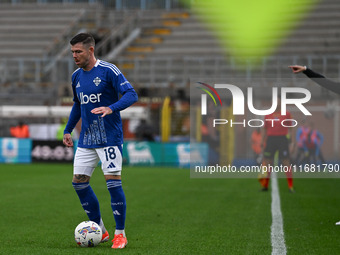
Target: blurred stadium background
{"points": [[159, 45], [162, 46]]}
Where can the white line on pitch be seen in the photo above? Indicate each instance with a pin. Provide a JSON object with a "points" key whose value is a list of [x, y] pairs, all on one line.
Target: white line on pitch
{"points": [[277, 234]]}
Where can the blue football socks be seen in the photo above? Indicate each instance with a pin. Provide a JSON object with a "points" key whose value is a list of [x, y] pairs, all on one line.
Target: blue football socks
{"points": [[118, 202], [88, 201]]}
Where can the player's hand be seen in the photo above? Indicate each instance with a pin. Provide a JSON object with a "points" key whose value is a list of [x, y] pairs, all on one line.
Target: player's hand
{"points": [[67, 140], [297, 69], [102, 110]]}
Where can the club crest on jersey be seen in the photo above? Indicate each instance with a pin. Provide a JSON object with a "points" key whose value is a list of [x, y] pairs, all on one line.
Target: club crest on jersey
{"points": [[97, 81]]}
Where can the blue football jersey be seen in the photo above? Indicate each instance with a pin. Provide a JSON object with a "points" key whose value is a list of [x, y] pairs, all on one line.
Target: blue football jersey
{"points": [[99, 87]]}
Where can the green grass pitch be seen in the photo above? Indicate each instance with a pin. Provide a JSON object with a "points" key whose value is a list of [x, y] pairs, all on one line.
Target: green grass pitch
{"points": [[167, 213]]}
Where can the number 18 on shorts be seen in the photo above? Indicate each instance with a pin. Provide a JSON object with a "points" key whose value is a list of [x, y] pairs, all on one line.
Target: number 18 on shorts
{"points": [[86, 160]]}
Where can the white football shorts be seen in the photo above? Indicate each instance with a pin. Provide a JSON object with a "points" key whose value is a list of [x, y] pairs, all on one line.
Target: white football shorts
{"points": [[86, 160]]}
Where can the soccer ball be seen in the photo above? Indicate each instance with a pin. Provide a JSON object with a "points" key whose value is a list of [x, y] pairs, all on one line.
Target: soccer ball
{"points": [[88, 234]]}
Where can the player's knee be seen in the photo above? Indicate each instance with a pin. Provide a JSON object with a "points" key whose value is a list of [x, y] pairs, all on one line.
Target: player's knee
{"points": [[79, 178], [112, 177]]}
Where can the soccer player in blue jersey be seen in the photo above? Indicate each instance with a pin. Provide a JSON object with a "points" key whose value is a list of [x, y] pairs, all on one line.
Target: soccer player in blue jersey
{"points": [[96, 88]]}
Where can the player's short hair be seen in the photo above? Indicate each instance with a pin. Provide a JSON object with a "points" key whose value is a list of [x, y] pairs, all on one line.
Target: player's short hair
{"points": [[84, 38]]}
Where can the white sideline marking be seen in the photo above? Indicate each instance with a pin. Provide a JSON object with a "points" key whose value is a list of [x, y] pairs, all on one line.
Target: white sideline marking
{"points": [[277, 234]]}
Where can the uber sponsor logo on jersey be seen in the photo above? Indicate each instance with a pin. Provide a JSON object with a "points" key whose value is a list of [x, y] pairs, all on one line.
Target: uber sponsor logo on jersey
{"points": [[92, 98]]}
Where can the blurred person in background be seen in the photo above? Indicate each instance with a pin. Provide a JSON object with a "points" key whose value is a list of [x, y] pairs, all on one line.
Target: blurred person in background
{"points": [[312, 145], [323, 82], [277, 138], [20, 131], [318, 78], [60, 131], [144, 131], [301, 135], [255, 140], [317, 137]]}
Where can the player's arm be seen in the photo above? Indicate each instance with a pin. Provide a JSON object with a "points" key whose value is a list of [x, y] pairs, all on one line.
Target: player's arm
{"points": [[297, 68], [72, 122], [129, 97], [317, 78], [73, 118]]}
